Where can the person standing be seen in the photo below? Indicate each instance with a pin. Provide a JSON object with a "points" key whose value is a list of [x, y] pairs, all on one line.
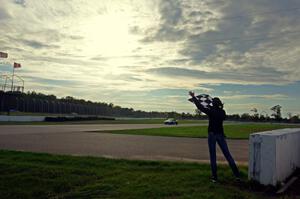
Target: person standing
{"points": [[216, 115]]}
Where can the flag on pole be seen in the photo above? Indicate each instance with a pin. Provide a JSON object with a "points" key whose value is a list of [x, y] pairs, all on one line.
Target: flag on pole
{"points": [[17, 65], [3, 55]]}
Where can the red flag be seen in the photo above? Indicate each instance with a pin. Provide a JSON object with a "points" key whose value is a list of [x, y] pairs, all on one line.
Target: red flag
{"points": [[3, 55], [17, 65]]}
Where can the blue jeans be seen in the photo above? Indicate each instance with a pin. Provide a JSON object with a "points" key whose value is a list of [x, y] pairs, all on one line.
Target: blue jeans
{"points": [[212, 140]]}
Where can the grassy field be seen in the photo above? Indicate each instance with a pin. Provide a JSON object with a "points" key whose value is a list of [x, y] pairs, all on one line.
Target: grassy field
{"points": [[118, 121], [232, 131], [30, 175]]}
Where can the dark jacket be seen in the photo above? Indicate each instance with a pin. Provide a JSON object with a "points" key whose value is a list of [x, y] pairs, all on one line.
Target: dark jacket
{"points": [[216, 117]]}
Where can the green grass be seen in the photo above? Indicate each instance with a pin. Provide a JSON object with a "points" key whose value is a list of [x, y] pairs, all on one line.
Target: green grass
{"points": [[118, 121], [232, 131], [30, 175]]}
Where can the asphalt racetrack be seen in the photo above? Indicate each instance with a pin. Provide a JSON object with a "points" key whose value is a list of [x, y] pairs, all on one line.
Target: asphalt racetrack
{"points": [[79, 140]]}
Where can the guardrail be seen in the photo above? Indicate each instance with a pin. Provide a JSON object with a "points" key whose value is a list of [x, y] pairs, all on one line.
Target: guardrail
{"points": [[25, 118]]}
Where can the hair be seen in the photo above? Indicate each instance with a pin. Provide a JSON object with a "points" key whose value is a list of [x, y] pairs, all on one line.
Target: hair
{"points": [[217, 102]]}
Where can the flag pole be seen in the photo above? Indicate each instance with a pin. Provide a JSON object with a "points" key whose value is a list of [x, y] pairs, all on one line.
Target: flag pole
{"points": [[4, 87], [12, 80]]}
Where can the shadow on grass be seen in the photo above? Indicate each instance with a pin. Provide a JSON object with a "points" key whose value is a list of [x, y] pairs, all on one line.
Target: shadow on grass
{"points": [[33, 175]]}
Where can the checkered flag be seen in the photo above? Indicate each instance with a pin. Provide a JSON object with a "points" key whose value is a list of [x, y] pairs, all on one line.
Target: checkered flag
{"points": [[204, 99]]}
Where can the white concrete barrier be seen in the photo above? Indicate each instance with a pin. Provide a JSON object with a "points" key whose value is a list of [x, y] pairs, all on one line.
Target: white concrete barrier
{"points": [[274, 155], [8, 118]]}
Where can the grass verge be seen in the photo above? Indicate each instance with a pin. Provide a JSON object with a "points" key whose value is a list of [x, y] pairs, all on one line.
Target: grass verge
{"points": [[30, 175], [232, 131]]}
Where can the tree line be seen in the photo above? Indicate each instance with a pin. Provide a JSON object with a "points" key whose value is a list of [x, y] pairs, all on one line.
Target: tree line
{"points": [[33, 102]]}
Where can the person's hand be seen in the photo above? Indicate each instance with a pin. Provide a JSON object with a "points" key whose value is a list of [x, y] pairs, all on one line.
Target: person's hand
{"points": [[191, 93]]}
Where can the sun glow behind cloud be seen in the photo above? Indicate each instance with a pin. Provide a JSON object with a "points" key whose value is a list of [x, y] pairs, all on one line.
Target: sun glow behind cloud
{"points": [[108, 35]]}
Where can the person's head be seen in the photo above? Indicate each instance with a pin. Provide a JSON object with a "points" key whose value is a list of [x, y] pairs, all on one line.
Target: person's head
{"points": [[217, 102]]}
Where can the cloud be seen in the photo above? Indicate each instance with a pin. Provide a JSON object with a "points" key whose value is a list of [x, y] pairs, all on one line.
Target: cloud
{"points": [[125, 77], [243, 77], [170, 16], [133, 47], [55, 82], [4, 15], [38, 44], [268, 97], [171, 12], [61, 60], [21, 2], [233, 37]]}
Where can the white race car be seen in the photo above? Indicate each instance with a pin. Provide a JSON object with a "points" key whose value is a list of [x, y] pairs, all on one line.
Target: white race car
{"points": [[171, 121]]}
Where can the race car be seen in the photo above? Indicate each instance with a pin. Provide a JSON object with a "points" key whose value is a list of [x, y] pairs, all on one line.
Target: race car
{"points": [[170, 121]]}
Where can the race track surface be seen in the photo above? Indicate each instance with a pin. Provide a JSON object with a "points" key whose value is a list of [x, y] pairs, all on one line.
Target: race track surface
{"points": [[79, 140]]}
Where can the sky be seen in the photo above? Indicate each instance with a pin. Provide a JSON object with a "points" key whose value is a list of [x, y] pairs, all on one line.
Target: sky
{"points": [[148, 54]]}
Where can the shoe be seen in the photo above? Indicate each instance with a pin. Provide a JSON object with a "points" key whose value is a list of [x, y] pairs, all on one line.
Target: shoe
{"points": [[213, 179], [238, 179]]}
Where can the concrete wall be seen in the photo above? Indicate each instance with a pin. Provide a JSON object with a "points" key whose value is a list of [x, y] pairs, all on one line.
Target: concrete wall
{"points": [[274, 155], [6, 118]]}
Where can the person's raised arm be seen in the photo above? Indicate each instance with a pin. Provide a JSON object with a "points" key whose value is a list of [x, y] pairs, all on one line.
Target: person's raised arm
{"points": [[197, 103]]}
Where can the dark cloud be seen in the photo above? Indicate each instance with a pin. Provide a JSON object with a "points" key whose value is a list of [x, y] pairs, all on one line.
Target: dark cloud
{"points": [[171, 12], [64, 54], [48, 81], [180, 62], [170, 17], [135, 30], [99, 58], [234, 36], [37, 44], [200, 14], [179, 20], [128, 77], [4, 15], [20, 2], [248, 76], [166, 33], [76, 37], [61, 60], [42, 39]]}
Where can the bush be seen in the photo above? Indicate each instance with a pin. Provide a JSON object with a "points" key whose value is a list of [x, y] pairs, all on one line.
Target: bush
{"points": [[76, 118]]}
